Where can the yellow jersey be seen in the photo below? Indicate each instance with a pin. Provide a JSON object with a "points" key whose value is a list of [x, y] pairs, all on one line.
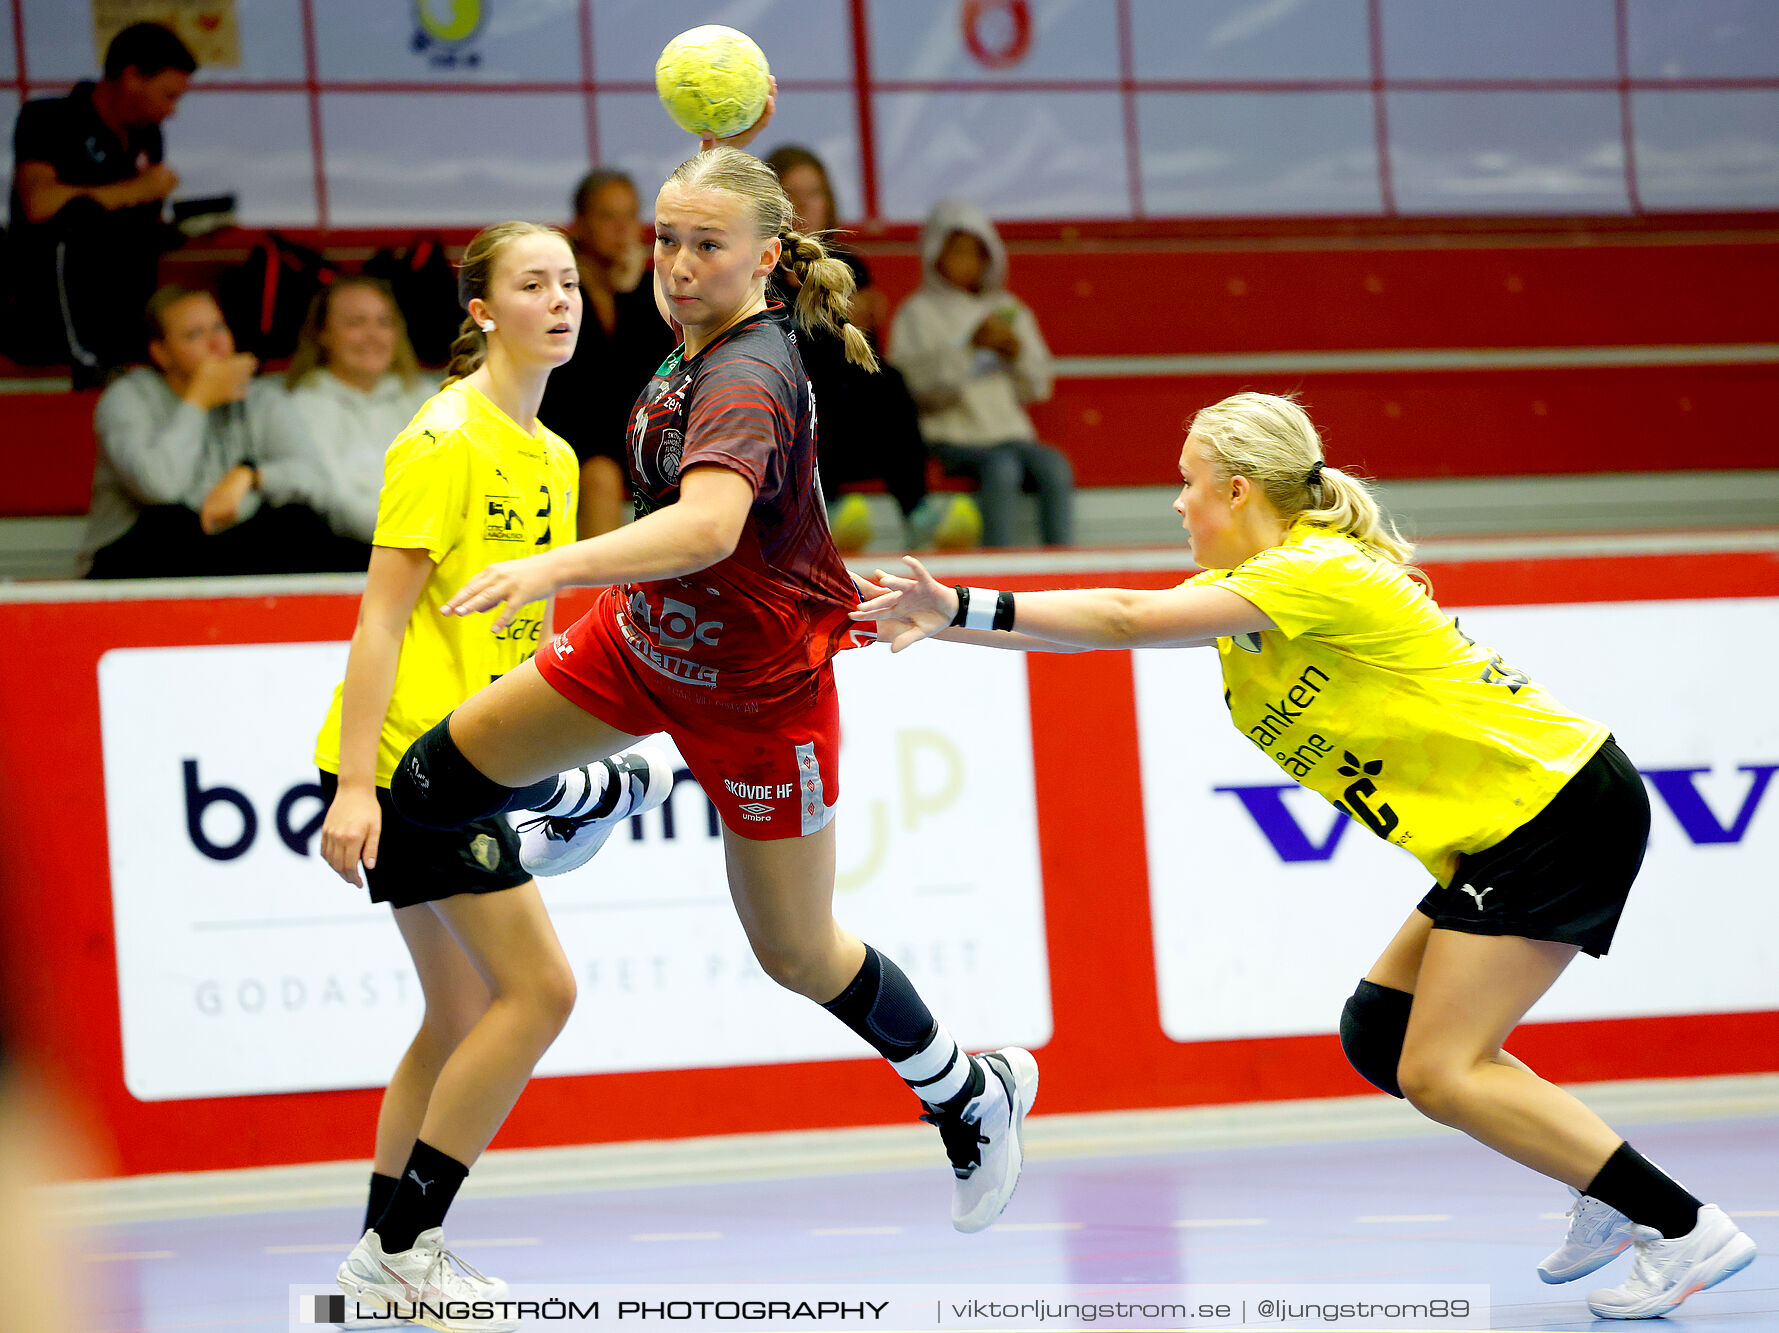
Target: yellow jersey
{"points": [[465, 484], [1371, 696]]}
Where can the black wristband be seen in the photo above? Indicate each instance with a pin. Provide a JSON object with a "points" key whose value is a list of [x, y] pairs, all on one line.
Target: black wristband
{"points": [[963, 604], [1004, 611]]}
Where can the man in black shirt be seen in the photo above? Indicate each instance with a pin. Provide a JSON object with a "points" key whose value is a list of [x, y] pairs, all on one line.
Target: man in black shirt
{"points": [[88, 189]]}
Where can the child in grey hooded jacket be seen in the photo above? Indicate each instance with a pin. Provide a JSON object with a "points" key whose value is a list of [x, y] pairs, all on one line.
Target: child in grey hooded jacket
{"points": [[973, 357]]}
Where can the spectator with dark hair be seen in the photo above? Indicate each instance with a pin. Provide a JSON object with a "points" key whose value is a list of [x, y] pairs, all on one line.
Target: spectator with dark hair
{"points": [[187, 481], [869, 427], [87, 192], [623, 339], [354, 385]]}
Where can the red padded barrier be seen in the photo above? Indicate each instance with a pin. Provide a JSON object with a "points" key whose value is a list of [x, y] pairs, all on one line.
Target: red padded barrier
{"points": [[57, 954]]}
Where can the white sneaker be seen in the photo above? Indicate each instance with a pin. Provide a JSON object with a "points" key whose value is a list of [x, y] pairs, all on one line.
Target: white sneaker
{"points": [[1668, 1271], [1598, 1232], [636, 782], [985, 1140], [428, 1284]]}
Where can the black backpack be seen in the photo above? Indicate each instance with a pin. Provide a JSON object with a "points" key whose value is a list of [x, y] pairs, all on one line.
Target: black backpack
{"points": [[424, 282], [266, 299]]}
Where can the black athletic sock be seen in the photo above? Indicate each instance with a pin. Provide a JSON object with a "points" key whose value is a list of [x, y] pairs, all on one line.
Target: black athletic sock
{"points": [[382, 1190], [1643, 1192], [882, 1006], [428, 1184]]}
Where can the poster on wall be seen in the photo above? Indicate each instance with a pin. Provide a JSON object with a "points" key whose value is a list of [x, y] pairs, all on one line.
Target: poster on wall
{"points": [[246, 966], [1269, 905], [210, 28]]}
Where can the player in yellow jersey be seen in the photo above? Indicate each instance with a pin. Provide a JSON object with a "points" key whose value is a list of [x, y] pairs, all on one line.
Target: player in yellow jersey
{"points": [[1342, 669], [474, 479]]}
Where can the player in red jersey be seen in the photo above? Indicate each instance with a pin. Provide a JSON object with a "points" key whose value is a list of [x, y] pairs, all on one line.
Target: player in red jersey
{"points": [[725, 603]]}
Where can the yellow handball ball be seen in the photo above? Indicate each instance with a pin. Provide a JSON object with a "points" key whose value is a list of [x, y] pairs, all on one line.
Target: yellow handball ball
{"points": [[712, 79]]}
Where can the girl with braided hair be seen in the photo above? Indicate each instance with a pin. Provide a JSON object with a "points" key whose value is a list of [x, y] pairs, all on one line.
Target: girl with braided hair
{"points": [[724, 604], [1343, 670]]}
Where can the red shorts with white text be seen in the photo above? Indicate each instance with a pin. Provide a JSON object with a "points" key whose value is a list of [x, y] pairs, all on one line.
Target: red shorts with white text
{"points": [[769, 765]]}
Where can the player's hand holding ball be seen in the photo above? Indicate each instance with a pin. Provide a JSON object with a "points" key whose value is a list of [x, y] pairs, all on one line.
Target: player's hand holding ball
{"points": [[517, 583], [918, 607], [715, 83]]}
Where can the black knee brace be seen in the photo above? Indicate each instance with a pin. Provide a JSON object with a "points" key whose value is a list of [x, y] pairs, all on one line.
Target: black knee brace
{"points": [[1372, 1026], [436, 787]]}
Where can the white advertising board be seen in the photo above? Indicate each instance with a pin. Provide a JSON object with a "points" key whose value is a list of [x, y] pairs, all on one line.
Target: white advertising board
{"points": [[1269, 905], [245, 966]]}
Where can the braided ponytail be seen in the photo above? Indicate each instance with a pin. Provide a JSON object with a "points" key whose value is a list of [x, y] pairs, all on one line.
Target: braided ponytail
{"points": [[824, 294]]}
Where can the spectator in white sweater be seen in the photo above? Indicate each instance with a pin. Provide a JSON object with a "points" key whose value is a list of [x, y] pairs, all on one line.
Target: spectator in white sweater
{"points": [[187, 480], [354, 385], [973, 357]]}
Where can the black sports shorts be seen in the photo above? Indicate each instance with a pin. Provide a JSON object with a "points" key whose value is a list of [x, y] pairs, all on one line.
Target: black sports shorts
{"points": [[421, 865], [1565, 874]]}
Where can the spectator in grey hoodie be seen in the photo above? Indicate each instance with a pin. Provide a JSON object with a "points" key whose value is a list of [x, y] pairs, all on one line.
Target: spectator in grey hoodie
{"points": [[185, 481], [354, 386], [973, 357]]}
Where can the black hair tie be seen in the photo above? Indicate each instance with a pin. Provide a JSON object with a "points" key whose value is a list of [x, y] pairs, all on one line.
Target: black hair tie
{"points": [[1315, 474]]}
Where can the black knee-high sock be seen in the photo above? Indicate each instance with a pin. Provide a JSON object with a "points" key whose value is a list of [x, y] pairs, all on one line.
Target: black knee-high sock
{"points": [[882, 1006], [428, 1184], [1644, 1193], [382, 1190]]}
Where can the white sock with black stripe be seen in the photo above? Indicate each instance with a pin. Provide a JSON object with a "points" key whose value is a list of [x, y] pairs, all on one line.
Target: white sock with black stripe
{"points": [[577, 791], [938, 1071]]}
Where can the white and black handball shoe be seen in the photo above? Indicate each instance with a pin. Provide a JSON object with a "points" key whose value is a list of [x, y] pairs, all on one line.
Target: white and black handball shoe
{"points": [[427, 1282], [636, 781], [1598, 1233], [985, 1140]]}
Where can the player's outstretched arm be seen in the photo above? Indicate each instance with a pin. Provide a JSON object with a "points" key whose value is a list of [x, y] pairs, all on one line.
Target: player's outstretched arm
{"points": [[693, 533], [1081, 618]]}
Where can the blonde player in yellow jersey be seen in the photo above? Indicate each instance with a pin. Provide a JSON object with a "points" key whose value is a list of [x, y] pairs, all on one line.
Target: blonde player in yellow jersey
{"points": [[473, 479], [1344, 671]]}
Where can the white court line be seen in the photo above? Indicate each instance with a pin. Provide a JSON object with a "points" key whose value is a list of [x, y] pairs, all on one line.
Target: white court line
{"points": [[678, 1235], [1219, 1222], [856, 1231], [1040, 1226], [1406, 1217], [498, 1240], [126, 1256]]}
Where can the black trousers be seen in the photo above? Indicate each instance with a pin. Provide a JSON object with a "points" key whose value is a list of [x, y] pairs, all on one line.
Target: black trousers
{"points": [[168, 543], [82, 281]]}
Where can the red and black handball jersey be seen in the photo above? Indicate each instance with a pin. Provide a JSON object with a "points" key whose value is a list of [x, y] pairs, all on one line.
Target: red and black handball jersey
{"points": [[777, 607]]}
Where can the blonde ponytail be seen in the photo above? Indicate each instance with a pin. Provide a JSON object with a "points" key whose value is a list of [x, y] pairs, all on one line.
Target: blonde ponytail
{"points": [[1270, 440], [825, 296]]}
